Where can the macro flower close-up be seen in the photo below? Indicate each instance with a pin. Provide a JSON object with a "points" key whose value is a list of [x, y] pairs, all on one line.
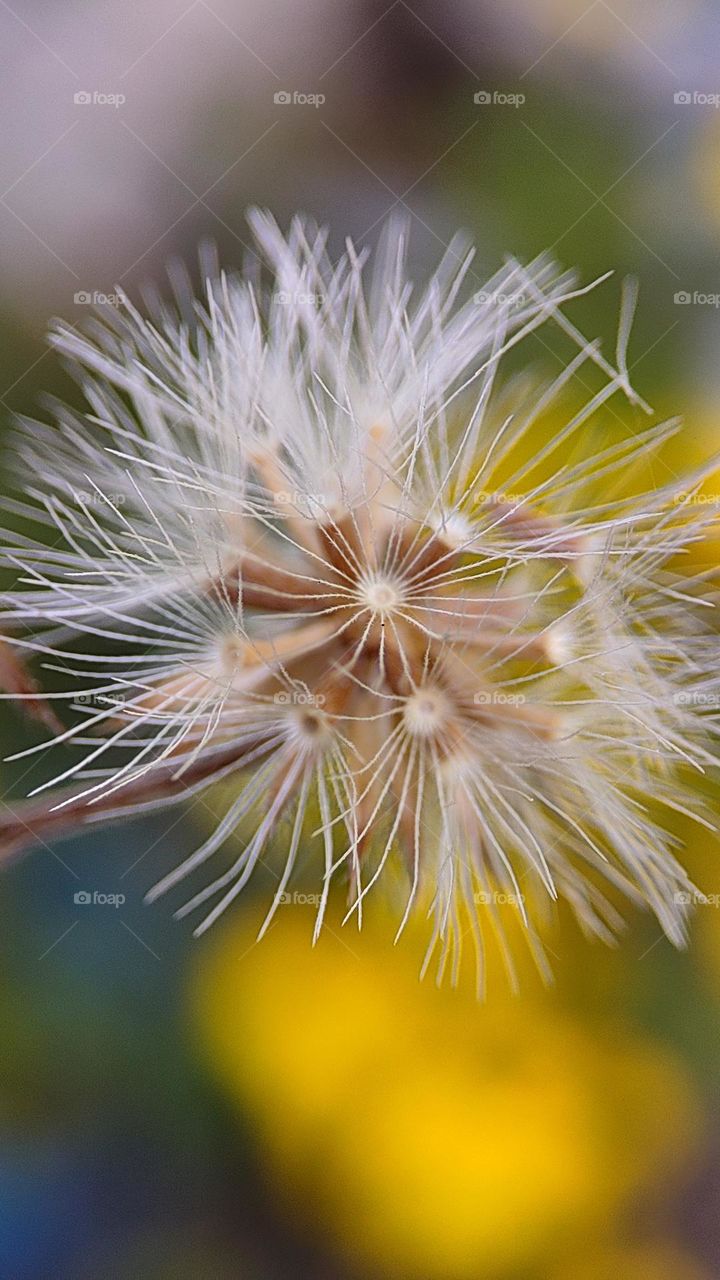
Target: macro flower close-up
{"points": [[359, 640], [300, 538]]}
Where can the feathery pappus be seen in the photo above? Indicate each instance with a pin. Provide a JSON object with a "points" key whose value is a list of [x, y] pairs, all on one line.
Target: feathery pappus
{"points": [[309, 538]]}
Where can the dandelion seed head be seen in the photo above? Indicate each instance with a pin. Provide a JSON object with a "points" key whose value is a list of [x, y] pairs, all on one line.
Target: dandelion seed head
{"points": [[427, 712], [277, 549], [455, 528], [381, 594], [312, 728]]}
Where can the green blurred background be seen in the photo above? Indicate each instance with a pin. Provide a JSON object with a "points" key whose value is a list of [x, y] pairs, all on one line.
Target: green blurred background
{"points": [[171, 1108]]}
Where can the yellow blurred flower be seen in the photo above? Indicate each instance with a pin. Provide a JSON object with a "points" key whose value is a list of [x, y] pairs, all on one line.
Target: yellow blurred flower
{"points": [[427, 1136]]}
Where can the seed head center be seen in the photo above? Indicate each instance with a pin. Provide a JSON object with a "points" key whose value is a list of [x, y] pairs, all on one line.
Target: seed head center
{"points": [[426, 711], [381, 594]]}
